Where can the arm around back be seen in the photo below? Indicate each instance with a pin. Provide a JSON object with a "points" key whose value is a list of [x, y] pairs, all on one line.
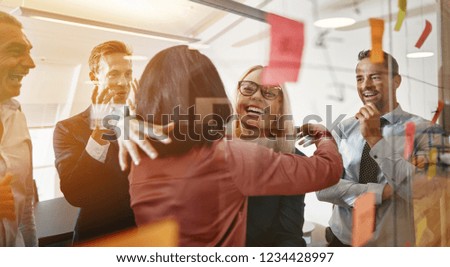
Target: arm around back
{"points": [[257, 170]]}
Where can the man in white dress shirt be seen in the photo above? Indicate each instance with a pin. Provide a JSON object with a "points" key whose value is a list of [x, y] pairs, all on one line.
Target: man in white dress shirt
{"points": [[372, 145], [17, 224]]}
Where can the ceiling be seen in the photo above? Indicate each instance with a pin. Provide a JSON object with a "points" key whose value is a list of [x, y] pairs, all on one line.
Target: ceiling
{"points": [[157, 15], [176, 17]]}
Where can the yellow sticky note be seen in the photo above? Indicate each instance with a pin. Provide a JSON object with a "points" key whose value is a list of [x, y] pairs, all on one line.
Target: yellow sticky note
{"points": [[421, 226], [432, 163], [402, 5], [401, 14], [377, 30], [363, 219], [400, 18]]}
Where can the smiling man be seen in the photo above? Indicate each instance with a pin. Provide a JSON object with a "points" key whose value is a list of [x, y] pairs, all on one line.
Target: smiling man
{"points": [[372, 144], [86, 161], [17, 224]]}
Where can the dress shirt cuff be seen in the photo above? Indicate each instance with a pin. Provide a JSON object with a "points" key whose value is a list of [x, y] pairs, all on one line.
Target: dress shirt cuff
{"points": [[96, 150], [377, 189]]}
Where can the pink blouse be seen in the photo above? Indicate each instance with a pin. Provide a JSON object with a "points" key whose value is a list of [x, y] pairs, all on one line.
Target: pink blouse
{"points": [[206, 189]]}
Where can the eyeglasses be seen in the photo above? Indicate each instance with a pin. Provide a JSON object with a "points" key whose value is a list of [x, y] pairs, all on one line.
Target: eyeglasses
{"points": [[249, 88]]}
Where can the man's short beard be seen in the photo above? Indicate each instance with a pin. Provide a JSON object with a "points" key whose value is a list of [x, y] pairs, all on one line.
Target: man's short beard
{"points": [[379, 105]]}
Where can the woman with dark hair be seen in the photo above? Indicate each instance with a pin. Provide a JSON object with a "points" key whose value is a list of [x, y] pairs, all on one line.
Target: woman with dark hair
{"points": [[178, 85], [200, 179]]}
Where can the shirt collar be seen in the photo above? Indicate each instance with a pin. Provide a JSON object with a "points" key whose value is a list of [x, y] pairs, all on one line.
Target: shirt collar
{"points": [[395, 115], [11, 104]]}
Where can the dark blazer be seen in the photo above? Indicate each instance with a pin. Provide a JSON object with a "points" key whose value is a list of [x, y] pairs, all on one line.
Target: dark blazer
{"points": [[99, 189], [275, 221]]}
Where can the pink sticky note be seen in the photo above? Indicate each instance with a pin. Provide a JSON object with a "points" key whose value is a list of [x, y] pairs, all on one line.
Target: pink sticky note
{"points": [[438, 112], [401, 14], [377, 30], [425, 33], [409, 139], [363, 219], [286, 48]]}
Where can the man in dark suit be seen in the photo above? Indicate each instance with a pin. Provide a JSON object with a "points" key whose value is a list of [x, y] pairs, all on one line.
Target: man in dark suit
{"points": [[87, 161]]}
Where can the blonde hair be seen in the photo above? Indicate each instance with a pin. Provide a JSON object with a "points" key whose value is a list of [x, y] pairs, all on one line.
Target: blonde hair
{"points": [[104, 49], [284, 140]]}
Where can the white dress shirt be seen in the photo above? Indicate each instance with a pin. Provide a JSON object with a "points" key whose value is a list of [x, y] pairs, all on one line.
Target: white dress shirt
{"points": [[93, 148], [394, 221], [15, 158]]}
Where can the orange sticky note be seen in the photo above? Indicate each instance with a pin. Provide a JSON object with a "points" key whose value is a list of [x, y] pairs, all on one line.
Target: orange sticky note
{"points": [[425, 33], [409, 139], [363, 219], [401, 14], [377, 30], [286, 49], [159, 234], [438, 112]]}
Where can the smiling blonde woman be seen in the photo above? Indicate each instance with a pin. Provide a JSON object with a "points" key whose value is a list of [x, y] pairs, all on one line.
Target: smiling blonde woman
{"points": [[265, 118]]}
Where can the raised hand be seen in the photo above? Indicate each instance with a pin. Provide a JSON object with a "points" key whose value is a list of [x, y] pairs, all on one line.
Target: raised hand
{"points": [[131, 101], [369, 119], [104, 97], [101, 104], [313, 134]]}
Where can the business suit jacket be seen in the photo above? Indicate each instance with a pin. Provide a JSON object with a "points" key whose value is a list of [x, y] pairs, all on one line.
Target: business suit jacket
{"points": [[99, 189], [276, 221]]}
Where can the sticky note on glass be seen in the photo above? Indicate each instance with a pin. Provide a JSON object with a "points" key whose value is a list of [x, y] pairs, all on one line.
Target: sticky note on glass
{"points": [[286, 49], [158, 234], [421, 227], [363, 219], [438, 112], [401, 14], [409, 139], [432, 163], [377, 30], [425, 33]]}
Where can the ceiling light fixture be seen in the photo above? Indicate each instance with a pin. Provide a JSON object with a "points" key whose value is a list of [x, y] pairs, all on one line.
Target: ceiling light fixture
{"points": [[333, 23], [86, 23], [419, 54]]}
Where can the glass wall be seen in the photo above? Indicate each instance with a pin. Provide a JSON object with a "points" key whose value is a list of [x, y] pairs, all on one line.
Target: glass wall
{"points": [[59, 87]]}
